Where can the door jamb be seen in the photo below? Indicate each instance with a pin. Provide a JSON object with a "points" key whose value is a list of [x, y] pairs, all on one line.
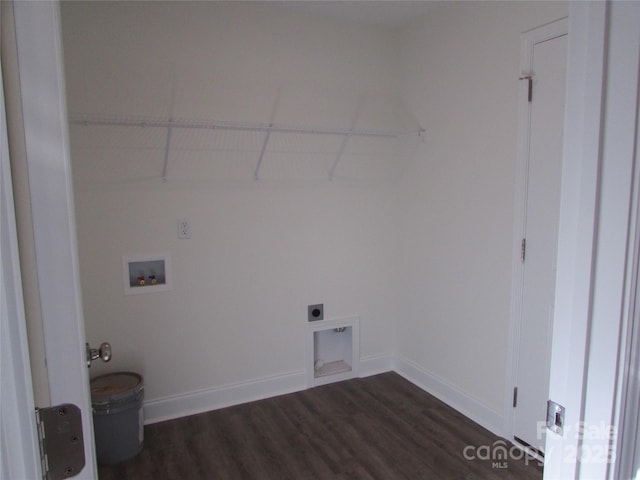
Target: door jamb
{"points": [[40, 61], [19, 455], [628, 417]]}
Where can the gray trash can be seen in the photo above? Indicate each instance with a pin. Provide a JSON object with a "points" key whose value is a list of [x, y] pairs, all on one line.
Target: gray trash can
{"points": [[117, 416]]}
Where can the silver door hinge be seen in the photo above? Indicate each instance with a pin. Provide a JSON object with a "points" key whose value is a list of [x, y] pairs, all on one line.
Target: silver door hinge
{"points": [[523, 249], [515, 396], [61, 441], [529, 78]]}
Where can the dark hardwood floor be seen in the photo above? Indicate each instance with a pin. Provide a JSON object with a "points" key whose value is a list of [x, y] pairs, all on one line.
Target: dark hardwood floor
{"points": [[380, 427]]}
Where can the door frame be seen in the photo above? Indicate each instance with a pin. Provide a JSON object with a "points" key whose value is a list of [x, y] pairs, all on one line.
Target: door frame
{"points": [[596, 237], [586, 60], [576, 242], [41, 67], [528, 41], [628, 425], [19, 451], [614, 260]]}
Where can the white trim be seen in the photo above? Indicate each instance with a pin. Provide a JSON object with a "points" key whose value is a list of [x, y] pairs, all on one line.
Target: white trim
{"points": [[19, 453], [450, 394], [628, 417], [40, 63], [376, 364], [176, 406], [582, 133], [528, 41], [614, 252], [200, 401]]}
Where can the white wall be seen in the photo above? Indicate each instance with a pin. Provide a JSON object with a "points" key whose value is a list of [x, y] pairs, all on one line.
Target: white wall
{"points": [[421, 250], [460, 69], [260, 252]]}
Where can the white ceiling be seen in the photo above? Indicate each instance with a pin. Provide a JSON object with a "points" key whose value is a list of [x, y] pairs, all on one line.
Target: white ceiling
{"points": [[380, 13]]}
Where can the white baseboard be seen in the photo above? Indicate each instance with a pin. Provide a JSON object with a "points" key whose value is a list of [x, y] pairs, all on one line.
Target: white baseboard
{"points": [[190, 403], [199, 401], [449, 394], [375, 364]]}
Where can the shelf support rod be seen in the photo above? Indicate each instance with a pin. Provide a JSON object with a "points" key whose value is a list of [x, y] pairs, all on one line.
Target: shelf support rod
{"points": [[88, 120], [256, 174], [343, 146], [166, 152]]}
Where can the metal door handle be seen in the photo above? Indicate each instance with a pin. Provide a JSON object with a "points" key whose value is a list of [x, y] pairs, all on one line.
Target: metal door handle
{"points": [[104, 353]]}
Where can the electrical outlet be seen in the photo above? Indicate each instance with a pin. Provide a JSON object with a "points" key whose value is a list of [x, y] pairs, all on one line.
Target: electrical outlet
{"points": [[315, 312], [184, 228]]}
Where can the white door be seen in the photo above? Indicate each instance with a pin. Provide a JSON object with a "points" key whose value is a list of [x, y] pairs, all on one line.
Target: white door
{"points": [[40, 66], [546, 101]]}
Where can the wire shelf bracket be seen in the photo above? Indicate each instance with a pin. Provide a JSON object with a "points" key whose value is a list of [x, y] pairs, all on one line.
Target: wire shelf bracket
{"points": [[256, 173], [172, 123]]}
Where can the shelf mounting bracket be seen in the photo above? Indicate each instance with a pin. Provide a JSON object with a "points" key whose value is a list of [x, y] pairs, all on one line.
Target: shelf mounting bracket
{"points": [[166, 151], [256, 174], [343, 146]]}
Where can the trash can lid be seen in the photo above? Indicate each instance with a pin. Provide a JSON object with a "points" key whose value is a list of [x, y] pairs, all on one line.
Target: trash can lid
{"points": [[114, 386]]}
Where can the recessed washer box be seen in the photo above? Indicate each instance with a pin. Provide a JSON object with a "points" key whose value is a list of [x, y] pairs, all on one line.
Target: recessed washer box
{"points": [[146, 273], [333, 350]]}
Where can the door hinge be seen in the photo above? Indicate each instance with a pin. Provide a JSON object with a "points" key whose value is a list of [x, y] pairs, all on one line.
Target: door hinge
{"points": [[61, 441], [529, 79], [523, 249], [515, 397]]}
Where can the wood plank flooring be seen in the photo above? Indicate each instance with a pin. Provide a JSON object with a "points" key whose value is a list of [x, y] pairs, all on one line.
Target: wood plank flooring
{"points": [[380, 427]]}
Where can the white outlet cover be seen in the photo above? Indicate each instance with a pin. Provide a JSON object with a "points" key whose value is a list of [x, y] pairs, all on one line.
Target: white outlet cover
{"points": [[184, 228]]}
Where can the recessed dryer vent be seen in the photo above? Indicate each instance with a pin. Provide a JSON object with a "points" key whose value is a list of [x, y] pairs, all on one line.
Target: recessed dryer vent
{"points": [[333, 350]]}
